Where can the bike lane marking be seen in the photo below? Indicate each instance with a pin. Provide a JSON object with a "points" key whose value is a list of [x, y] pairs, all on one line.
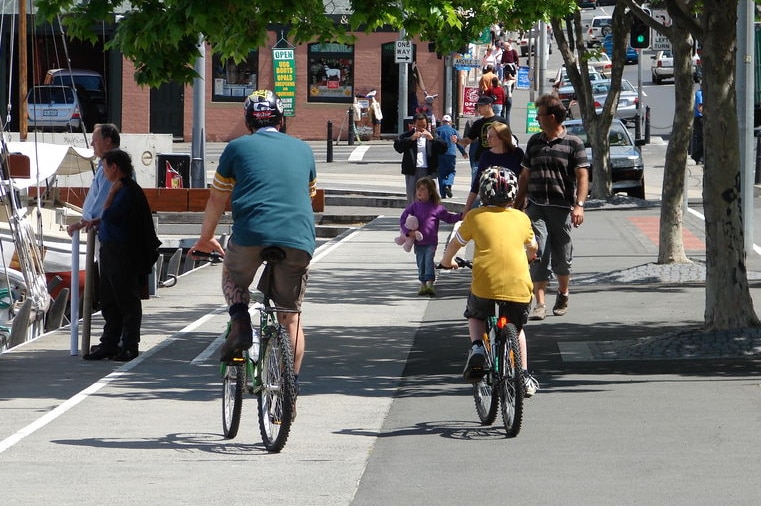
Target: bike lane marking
{"points": [[77, 398]]}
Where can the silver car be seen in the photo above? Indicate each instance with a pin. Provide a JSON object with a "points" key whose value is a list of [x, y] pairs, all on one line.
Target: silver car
{"points": [[625, 160], [53, 107], [628, 100]]}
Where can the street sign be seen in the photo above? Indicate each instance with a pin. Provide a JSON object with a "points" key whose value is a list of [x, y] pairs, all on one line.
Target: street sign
{"points": [[403, 52], [660, 43], [466, 62]]}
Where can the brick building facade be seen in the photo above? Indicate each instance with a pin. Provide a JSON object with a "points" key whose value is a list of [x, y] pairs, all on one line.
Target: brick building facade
{"points": [[368, 64]]}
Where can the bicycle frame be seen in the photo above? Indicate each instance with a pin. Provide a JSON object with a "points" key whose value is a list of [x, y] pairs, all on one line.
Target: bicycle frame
{"points": [[502, 385]]}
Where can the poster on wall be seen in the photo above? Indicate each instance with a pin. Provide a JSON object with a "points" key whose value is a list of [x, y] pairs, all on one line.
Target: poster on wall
{"points": [[532, 123], [331, 73], [284, 66], [470, 96]]}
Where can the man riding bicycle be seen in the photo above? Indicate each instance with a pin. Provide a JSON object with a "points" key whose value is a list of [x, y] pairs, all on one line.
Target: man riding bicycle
{"points": [[504, 240], [269, 178]]}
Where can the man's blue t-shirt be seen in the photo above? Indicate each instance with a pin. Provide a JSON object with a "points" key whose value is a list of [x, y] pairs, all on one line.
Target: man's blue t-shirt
{"points": [[269, 174]]}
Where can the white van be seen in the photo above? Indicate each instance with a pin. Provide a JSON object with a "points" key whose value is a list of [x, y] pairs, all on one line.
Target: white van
{"points": [[597, 30]]}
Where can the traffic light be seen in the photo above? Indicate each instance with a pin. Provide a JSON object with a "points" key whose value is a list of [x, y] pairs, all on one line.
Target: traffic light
{"points": [[640, 35]]}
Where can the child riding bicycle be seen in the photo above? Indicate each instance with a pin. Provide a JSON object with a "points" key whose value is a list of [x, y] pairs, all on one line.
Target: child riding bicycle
{"points": [[504, 241]]}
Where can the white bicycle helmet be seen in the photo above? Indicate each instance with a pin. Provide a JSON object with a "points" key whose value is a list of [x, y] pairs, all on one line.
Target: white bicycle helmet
{"points": [[498, 186]]}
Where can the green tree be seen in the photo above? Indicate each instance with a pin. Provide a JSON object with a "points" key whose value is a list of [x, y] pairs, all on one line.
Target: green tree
{"points": [[161, 37]]}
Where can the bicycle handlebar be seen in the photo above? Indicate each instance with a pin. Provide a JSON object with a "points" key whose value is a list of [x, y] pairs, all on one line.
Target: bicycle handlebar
{"points": [[461, 262]]}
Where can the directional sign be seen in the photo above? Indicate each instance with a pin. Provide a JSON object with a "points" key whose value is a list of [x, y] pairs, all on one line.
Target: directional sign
{"points": [[660, 43], [403, 51], [466, 62]]}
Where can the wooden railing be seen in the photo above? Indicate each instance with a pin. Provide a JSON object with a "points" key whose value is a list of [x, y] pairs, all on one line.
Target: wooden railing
{"points": [[166, 199]]}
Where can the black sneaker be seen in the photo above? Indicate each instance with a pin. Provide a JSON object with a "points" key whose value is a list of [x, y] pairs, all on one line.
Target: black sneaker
{"points": [[101, 352], [561, 305], [240, 338], [126, 355]]}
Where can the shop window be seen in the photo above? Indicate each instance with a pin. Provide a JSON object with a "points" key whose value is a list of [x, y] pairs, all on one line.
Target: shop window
{"points": [[234, 82], [331, 73]]}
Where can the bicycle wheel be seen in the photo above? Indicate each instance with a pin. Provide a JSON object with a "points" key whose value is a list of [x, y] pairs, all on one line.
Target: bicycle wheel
{"points": [[484, 394], [233, 382], [511, 388], [277, 394]]}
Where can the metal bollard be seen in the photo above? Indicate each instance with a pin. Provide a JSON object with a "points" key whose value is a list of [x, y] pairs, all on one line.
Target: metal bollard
{"points": [[647, 124], [350, 133], [637, 128], [330, 143], [758, 155]]}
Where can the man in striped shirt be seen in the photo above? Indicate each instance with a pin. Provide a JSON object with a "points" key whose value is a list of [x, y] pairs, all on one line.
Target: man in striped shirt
{"points": [[552, 187]]}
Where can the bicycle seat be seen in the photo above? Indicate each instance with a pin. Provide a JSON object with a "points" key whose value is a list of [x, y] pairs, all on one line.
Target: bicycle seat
{"points": [[272, 254]]}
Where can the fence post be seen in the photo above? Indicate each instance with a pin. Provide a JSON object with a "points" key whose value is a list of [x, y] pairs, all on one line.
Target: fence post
{"points": [[647, 124], [330, 142], [350, 133]]}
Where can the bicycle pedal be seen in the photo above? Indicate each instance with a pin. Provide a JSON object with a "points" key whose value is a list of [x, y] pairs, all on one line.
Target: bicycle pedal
{"points": [[236, 360]]}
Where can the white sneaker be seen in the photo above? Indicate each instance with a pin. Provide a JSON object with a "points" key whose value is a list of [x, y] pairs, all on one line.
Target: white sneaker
{"points": [[474, 366], [530, 384]]}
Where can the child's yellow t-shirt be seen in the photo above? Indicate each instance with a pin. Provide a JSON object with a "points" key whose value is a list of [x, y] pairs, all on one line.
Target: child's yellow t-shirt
{"points": [[500, 268]]}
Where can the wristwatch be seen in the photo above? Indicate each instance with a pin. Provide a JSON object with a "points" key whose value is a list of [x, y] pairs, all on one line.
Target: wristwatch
{"points": [[580, 204]]}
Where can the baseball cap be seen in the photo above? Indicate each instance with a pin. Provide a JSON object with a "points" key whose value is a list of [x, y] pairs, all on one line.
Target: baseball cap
{"points": [[446, 118], [485, 100]]}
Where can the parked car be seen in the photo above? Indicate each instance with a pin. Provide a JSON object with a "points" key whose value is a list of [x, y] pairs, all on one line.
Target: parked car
{"points": [[632, 56], [662, 66], [625, 158], [597, 30], [53, 107], [562, 80], [602, 63], [529, 39], [563, 87], [89, 84], [588, 4], [628, 99]]}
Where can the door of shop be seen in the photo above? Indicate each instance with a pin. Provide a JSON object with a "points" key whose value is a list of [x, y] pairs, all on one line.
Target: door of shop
{"points": [[167, 110], [389, 89]]}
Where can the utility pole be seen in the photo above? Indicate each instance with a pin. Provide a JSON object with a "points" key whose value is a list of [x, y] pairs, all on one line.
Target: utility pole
{"points": [[198, 145], [403, 91], [744, 92]]}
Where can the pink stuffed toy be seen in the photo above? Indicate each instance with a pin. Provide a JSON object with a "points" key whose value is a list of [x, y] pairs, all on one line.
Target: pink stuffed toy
{"points": [[406, 242]]}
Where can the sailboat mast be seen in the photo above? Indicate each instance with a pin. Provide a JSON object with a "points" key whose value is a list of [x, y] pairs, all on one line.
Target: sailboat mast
{"points": [[22, 60]]}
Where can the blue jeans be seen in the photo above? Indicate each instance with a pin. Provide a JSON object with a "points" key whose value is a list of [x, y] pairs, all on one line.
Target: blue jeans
{"points": [[424, 256], [447, 164]]}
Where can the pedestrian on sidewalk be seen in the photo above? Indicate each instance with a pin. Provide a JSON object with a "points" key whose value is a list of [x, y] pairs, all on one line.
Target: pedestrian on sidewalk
{"points": [[269, 178], [128, 250], [696, 142], [448, 160], [498, 95], [504, 152], [478, 130], [429, 212], [105, 137], [504, 244], [376, 115], [554, 184], [420, 148]]}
